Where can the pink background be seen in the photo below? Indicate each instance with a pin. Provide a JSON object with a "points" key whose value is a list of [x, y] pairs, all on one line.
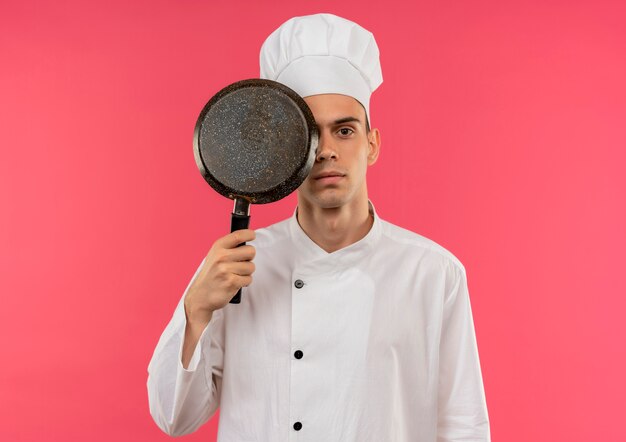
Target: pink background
{"points": [[503, 128]]}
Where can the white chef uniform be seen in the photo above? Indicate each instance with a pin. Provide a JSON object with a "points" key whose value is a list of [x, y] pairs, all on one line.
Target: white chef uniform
{"points": [[374, 342]]}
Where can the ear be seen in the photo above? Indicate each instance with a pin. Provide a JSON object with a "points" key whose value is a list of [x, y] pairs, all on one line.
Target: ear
{"points": [[373, 139]]}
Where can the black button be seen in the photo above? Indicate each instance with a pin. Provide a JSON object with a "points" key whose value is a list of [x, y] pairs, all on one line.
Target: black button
{"points": [[299, 283], [297, 426], [298, 354]]}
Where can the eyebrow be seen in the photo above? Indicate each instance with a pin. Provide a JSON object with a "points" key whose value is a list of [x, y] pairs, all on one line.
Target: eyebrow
{"points": [[346, 120]]}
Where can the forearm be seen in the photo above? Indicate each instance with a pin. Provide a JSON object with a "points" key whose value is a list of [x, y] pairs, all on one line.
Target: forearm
{"points": [[193, 331], [182, 398], [462, 413]]}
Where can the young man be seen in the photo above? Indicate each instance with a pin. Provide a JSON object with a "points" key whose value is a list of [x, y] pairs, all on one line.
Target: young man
{"points": [[351, 329]]}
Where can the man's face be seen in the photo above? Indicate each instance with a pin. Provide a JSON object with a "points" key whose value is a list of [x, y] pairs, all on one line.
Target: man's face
{"points": [[344, 152]]}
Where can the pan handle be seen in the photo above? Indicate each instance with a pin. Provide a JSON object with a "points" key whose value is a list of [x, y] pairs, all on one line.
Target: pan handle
{"points": [[240, 219]]}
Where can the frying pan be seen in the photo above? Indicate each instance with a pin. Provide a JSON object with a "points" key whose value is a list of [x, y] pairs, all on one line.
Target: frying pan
{"points": [[254, 142]]}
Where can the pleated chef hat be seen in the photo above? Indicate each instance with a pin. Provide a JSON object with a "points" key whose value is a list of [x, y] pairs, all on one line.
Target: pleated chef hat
{"points": [[323, 54]]}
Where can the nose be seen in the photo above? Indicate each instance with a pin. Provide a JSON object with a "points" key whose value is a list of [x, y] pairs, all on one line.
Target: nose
{"points": [[325, 149]]}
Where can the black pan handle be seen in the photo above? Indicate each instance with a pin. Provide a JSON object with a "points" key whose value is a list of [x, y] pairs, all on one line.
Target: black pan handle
{"points": [[240, 219]]}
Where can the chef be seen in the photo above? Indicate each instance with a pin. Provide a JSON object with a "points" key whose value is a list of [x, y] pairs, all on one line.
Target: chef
{"points": [[350, 329]]}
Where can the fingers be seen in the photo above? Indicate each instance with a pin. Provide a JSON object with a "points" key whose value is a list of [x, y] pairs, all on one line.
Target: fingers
{"points": [[230, 267], [219, 255], [234, 281], [243, 281], [229, 274], [235, 238], [243, 253], [241, 268]]}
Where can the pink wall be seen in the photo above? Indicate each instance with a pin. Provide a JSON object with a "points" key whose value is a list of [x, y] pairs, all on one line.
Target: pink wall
{"points": [[504, 131]]}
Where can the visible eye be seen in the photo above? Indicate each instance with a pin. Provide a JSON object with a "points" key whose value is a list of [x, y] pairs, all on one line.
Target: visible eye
{"points": [[345, 131]]}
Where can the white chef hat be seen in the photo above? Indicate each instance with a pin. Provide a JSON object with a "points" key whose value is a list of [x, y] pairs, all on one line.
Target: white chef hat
{"points": [[323, 54]]}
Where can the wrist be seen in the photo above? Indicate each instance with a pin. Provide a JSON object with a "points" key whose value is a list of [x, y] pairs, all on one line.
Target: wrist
{"points": [[197, 317]]}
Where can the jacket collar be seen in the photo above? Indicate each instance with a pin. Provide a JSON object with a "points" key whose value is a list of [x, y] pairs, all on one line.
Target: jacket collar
{"points": [[309, 257]]}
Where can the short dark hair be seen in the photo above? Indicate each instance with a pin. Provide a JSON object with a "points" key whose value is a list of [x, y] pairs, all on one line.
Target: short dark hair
{"points": [[367, 121]]}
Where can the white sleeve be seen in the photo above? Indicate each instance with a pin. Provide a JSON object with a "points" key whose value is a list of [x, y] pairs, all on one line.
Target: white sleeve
{"points": [[180, 399], [462, 408]]}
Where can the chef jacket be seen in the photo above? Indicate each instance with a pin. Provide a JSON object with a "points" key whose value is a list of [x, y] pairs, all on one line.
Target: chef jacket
{"points": [[373, 342]]}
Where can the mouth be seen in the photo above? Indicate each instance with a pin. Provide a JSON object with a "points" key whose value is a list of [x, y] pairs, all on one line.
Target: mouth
{"points": [[328, 174], [330, 177]]}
